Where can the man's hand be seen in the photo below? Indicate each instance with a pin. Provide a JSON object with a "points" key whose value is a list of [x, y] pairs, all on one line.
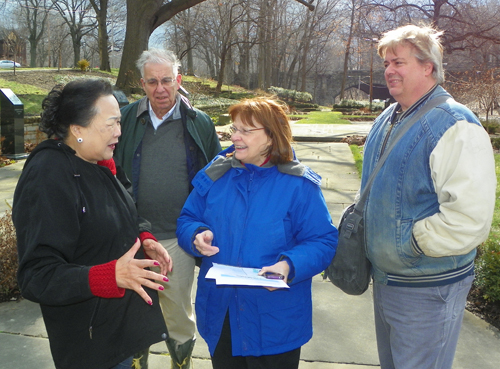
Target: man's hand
{"points": [[156, 251]]}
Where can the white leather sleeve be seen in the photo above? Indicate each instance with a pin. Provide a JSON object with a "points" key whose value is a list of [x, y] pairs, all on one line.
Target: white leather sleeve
{"points": [[463, 172]]}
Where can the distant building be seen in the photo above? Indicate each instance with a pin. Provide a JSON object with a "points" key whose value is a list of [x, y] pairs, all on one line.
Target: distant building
{"points": [[12, 47]]}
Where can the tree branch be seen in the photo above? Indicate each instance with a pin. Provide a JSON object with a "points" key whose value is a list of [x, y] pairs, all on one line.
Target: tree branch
{"points": [[308, 4]]}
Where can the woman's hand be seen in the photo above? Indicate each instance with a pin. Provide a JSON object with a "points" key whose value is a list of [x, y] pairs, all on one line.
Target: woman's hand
{"points": [[281, 267], [130, 273], [157, 252], [203, 243]]}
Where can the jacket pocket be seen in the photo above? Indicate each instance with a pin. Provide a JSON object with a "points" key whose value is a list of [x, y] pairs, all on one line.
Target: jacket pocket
{"points": [[408, 252], [283, 323]]}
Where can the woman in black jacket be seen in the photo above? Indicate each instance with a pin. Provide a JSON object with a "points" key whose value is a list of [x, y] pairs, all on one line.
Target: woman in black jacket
{"points": [[77, 229]]}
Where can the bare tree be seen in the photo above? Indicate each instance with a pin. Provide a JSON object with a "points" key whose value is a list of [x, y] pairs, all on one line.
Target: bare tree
{"points": [[467, 23], [216, 33], [352, 29], [34, 15], [480, 87], [181, 35], [322, 24], [76, 14], [143, 17], [101, 10], [57, 46]]}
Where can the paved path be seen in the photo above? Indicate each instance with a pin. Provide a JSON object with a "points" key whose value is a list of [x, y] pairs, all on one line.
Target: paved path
{"points": [[344, 335]]}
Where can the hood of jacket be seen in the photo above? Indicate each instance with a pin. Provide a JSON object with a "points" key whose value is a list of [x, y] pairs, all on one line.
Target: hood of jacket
{"points": [[226, 160]]}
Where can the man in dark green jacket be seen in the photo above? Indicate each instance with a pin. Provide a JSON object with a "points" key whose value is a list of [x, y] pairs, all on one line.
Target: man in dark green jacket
{"points": [[164, 143]]}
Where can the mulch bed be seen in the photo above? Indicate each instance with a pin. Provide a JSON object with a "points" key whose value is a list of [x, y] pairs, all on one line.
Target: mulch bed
{"points": [[10, 296], [486, 310], [224, 136]]}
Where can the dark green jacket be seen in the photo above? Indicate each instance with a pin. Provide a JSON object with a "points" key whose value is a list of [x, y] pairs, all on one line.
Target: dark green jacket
{"points": [[201, 140]]}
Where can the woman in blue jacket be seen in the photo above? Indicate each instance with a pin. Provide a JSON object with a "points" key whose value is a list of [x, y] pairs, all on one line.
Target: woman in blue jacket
{"points": [[256, 206]]}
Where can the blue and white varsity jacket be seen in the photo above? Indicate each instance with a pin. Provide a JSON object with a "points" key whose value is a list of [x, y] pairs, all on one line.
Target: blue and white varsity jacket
{"points": [[432, 202]]}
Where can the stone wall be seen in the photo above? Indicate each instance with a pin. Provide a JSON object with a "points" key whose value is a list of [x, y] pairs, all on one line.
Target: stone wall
{"points": [[31, 132]]}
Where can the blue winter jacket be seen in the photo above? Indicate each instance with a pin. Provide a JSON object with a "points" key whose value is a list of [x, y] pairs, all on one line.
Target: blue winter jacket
{"points": [[258, 215], [432, 202]]}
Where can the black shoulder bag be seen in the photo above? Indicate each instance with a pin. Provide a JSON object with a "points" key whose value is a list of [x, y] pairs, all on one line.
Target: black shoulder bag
{"points": [[350, 269]]}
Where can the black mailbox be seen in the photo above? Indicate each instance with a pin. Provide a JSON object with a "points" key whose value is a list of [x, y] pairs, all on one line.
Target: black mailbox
{"points": [[121, 98], [12, 124]]}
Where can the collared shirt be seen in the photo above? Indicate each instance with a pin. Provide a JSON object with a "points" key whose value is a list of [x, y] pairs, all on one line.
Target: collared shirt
{"points": [[155, 121], [399, 114]]}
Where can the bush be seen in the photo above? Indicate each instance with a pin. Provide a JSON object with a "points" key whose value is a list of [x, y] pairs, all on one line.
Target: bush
{"points": [[488, 258], [352, 105], [495, 142], [488, 271], [303, 107], [83, 65], [8, 258], [290, 95], [348, 104], [491, 127]]}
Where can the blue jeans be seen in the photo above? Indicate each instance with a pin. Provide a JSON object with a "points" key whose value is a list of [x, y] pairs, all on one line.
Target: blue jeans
{"points": [[125, 364], [419, 327]]}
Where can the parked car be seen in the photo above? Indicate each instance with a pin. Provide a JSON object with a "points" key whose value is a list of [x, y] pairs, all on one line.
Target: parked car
{"points": [[7, 64]]}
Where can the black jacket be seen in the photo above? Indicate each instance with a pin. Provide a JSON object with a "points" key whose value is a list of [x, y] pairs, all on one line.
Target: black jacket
{"points": [[70, 215]]}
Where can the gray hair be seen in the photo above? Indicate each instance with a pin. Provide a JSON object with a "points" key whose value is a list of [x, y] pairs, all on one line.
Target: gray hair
{"points": [[425, 41], [158, 56]]}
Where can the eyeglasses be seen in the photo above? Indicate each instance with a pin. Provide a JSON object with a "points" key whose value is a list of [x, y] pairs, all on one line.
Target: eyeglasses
{"points": [[165, 82], [244, 132]]}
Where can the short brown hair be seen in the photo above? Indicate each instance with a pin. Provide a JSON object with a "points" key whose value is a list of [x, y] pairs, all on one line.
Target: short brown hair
{"points": [[272, 115]]}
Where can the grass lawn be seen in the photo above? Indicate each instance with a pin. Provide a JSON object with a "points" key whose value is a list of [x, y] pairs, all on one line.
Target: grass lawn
{"points": [[357, 153], [322, 117], [22, 89], [30, 96]]}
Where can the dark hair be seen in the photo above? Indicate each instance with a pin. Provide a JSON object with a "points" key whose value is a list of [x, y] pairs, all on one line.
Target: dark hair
{"points": [[272, 115], [73, 103]]}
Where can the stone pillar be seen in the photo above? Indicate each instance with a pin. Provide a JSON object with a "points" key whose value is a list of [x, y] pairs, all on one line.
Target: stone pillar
{"points": [[12, 125]]}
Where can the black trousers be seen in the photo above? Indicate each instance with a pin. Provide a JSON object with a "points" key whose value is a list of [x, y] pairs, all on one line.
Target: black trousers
{"points": [[224, 359]]}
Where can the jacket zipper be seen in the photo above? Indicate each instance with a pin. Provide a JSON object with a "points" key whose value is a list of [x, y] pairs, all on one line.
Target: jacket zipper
{"points": [[92, 318], [386, 139]]}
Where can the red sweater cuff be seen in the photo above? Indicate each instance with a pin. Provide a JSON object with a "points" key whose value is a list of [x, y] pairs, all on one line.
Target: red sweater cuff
{"points": [[102, 281], [146, 235]]}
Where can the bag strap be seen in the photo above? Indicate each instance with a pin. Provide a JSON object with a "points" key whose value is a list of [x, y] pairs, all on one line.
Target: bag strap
{"points": [[405, 127]]}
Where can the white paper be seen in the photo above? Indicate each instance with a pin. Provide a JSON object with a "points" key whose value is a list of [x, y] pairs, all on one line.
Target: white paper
{"points": [[231, 275]]}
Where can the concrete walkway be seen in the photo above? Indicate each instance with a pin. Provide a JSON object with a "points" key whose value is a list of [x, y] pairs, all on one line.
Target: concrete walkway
{"points": [[344, 334]]}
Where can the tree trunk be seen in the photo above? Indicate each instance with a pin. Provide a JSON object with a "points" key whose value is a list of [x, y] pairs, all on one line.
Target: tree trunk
{"points": [[33, 46], [305, 52], [103, 37], [347, 51], [77, 44], [222, 69], [291, 69], [140, 19], [190, 61], [263, 49], [143, 17]]}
